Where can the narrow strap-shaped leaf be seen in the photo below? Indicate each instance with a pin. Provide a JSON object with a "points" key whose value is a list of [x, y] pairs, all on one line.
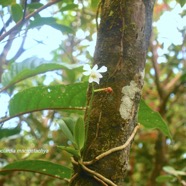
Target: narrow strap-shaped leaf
{"points": [[79, 133], [173, 171], [70, 122], [67, 132], [38, 166], [70, 150], [165, 178], [151, 119]]}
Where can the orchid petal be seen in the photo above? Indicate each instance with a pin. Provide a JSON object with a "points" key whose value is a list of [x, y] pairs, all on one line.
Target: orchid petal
{"points": [[95, 67], [102, 69], [91, 79], [87, 67], [86, 73], [98, 75]]}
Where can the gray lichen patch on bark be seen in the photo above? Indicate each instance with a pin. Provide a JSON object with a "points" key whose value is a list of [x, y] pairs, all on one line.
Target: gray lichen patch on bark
{"points": [[127, 101]]}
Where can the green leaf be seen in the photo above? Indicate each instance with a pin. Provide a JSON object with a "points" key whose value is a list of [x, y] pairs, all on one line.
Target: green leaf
{"points": [[181, 2], [34, 5], [183, 76], [79, 133], [174, 172], [17, 12], [164, 178], [69, 7], [50, 21], [4, 133], [94, 3], [57, 97], [151, 119], [40, 21], [70, 123], [38, 166], [31, 67], [67, 132], [71, 150], [62, 28], [5, 3]]}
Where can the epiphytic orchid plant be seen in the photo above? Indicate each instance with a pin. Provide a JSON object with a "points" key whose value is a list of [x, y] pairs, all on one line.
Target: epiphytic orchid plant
{"points": [[95, 76]]}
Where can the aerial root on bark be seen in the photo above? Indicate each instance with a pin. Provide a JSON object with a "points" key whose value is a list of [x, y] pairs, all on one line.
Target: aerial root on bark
{"points": [[103, 180]]}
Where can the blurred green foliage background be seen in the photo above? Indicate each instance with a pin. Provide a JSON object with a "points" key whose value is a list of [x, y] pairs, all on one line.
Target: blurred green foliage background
{"points": [[66, 33]]}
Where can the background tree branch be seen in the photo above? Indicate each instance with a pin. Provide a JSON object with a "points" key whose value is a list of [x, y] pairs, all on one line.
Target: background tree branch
{"points": [[21, 22]]}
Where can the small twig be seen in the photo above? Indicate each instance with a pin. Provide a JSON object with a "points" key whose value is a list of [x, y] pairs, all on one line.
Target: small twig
{"points": [[24, 12], [73, 177], [21, 22], [98, 175], [69, 54], [110, 151], [172, 83], [102, 182], [21, 48], [67, 180], [74, 161], [5, 24]]}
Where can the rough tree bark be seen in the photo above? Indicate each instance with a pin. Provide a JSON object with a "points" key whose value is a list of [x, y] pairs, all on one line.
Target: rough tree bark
{"points": [[122, 42]]}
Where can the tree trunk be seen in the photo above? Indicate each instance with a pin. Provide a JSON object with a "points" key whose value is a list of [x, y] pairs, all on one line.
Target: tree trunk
{"points": [[122, 42]]}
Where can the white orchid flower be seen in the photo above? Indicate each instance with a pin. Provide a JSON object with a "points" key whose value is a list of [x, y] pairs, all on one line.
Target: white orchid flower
{"points": [[94, 73]]}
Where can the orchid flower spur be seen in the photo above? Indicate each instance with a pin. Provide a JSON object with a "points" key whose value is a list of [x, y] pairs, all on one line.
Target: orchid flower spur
{"points": [[94, 73]]}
